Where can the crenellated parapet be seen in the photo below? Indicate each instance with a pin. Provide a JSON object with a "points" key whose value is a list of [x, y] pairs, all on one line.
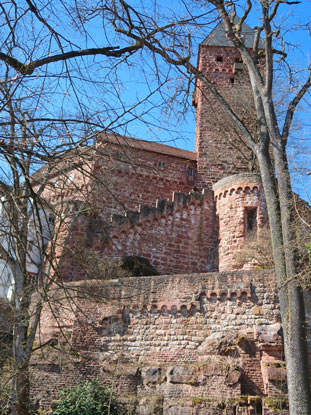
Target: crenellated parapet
{"points": [[164, 207], [176, 337], [176, 236], [242, 214]]}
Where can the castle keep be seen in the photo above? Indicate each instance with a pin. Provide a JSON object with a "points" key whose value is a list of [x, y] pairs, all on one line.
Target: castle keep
{"points": [[203, 336]]}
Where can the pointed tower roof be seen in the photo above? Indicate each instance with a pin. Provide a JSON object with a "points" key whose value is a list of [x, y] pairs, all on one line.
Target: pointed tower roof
{"points": [[217, 37]]}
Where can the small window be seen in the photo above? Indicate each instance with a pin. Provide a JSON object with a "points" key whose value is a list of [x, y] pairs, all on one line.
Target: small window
{"points": [[190, 172], [231, 80], [219, 59], [250, 220], [161, 163], [51, 220]]}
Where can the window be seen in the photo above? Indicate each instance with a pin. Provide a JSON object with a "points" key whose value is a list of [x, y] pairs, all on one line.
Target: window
{"points": [[231, 80], [161, 163], [250, 220], [219, 59], [190, 172]]}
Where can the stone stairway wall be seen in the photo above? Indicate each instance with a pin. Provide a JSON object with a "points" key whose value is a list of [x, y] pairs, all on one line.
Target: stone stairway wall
{"points": [[176, 236]]}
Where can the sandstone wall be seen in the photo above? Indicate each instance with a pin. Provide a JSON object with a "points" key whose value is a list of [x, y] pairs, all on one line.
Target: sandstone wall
{"points": [[113, 178], [127, 177], [221, 148], [186, 344], [177, 236], [242, 215], [124, 179]]}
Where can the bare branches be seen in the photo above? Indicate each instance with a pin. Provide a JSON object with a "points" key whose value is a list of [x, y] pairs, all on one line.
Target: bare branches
{"points": [[292, 107], [28, 69]]}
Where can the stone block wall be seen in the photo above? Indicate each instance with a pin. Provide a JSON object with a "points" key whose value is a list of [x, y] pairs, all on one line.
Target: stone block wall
{"points": [[242, 214], [184, 344], [176, 236], [222, 150], [127, 177], [113, 178]]}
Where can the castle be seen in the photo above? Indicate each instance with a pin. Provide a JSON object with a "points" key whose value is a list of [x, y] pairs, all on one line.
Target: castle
{"points": [[204, 335]]}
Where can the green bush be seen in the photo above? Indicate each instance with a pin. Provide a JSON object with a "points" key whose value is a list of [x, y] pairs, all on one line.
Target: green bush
{"points": [[87, 398]]}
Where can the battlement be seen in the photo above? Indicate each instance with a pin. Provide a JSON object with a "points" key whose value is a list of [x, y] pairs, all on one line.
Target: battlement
{"points": [[176, 236], [175, 337], [190, 340], [163, 207]]}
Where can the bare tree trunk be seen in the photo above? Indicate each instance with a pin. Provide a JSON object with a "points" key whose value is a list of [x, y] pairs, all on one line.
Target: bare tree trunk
{"points": [[21, 386], [290, 294], [20, 383]]}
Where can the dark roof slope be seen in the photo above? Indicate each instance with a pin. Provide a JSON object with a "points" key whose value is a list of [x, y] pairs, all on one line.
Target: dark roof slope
{"points": [[217, 37], [147, 146], [77, 156]]}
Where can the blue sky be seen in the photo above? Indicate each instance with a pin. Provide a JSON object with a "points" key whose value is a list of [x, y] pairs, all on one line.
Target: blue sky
{"points": [[181, 132], [135, 79]]}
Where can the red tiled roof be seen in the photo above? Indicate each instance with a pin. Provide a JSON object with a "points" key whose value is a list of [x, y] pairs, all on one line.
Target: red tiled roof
{"points": [[147, 146]]}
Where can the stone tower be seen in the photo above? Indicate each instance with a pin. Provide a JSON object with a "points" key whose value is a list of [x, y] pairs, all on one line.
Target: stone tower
{"points": [[220, 147], [242, 215]]}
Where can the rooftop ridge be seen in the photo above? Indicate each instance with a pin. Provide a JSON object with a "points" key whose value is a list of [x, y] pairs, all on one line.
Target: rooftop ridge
{"points": [[218, 36], [146, 145]]}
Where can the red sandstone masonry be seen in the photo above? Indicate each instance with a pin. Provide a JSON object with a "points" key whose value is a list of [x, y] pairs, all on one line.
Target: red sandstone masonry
{"points": [[219, 146], [177, 236], [129, 177], [121, 329], [185, 342], [234, 197], [113, 180]]}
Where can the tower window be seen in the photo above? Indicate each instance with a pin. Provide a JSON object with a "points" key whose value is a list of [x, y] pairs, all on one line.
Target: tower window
{"points": [[250, 220], [219, 59], [161, 163], [231, 80], [190, 172]]}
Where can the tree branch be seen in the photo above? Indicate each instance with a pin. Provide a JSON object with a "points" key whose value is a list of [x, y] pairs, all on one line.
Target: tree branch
{"points": [[292, 107], [28, 69]]}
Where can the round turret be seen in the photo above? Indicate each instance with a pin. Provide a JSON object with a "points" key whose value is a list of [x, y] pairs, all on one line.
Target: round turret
{"points": [[242, 214]]}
